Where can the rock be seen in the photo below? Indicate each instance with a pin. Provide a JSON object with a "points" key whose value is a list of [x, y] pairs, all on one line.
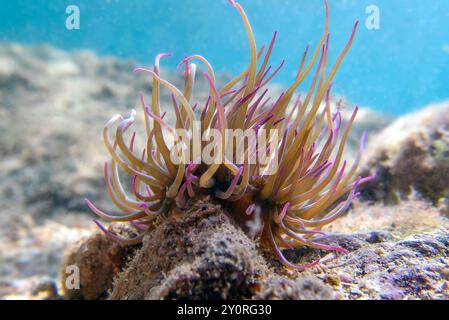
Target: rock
{"points": [[304, 288], [199, 253], [196, 254], [395, 252], [413, 268], [410, 154], [98, 259]]}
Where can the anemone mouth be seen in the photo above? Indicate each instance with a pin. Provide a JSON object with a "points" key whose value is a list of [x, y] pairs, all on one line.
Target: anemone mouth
{"points": [[285, 196]]}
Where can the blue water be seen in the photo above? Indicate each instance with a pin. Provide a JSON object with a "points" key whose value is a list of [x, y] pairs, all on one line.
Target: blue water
{"points": [[400, 67]]}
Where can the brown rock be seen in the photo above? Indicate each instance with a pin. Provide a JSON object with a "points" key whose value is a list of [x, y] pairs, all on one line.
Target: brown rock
{"points": [[196, 254], [411, 154], [98, 259]]}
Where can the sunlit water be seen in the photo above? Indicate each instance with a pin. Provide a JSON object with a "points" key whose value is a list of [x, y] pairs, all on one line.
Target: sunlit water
{"points": [[399, 67]]}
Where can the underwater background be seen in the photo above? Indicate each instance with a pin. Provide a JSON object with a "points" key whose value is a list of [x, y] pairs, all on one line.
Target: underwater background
{"points": [[396, 68], [59, 85]]}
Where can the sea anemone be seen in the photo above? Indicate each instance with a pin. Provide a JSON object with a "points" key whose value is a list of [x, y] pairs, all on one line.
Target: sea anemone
{"points": [[302, 185]]}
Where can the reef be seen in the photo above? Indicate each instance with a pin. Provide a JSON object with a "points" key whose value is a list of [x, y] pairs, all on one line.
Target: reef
{"points": [[411, 155], [398, 252], [199, 253], [397, 249]]}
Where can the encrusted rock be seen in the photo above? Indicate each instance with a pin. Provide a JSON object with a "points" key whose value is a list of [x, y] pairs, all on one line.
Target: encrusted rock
{"points": [[412, 268], [304, 288], [411, 154], [98, 260], [198, 253], [194, 254]]}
